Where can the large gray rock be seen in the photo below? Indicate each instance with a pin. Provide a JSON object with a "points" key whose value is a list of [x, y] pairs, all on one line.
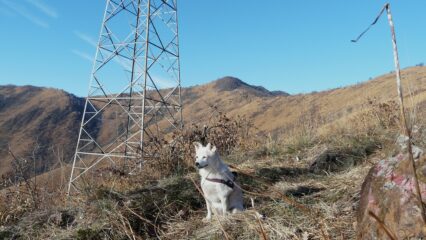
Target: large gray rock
{"points": [[389, 193]]}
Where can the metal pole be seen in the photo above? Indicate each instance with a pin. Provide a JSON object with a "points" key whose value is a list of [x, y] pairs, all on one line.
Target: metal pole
{"points": [[86, 103], [132, 78], [178, 53], [404, 123], [148, 19]]}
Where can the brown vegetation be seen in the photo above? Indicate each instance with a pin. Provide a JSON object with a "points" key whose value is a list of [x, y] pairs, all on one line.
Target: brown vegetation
{"points": [[302, 168]]}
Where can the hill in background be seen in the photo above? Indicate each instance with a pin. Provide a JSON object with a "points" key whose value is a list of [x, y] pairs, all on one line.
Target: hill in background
{"points": [[39, 124], [42, 124]]}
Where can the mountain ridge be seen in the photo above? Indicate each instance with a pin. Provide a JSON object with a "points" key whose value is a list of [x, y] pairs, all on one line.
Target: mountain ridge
{"points": [[229, 83], [48, 119], [36, 120]]}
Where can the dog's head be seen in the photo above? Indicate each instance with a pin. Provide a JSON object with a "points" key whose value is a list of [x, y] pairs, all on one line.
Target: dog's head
{"points": [[204, 155]]}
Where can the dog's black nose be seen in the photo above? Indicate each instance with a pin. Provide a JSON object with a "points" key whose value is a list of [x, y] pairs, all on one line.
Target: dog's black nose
{"points": [[197, 164]]}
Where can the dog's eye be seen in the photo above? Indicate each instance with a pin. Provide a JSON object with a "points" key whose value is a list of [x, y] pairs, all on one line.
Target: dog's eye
{"points": [[204, 157]]}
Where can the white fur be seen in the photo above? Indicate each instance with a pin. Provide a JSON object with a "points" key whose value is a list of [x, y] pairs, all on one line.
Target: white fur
{"points": [[220, 198]]}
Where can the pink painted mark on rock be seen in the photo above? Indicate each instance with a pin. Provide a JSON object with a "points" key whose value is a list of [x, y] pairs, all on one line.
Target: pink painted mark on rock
{"points": [[404, 183], [386, 167], [398, 179]]}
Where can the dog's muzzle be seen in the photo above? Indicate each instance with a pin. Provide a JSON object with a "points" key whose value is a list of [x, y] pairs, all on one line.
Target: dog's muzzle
{"points": [[199, 166]]}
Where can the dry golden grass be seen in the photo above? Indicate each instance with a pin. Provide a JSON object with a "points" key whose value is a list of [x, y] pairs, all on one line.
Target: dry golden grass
{"points": [[358, 124], [281, 113], [36, 122], [274, 115], [298, 203]]}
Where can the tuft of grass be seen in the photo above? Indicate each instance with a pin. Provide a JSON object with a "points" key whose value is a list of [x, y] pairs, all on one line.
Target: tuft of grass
{"points": [[7, 234]]}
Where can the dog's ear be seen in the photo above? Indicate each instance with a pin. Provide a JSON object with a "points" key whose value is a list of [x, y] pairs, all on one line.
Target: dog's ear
{"points": [[213, 149], [209, 146], [197, 145]]}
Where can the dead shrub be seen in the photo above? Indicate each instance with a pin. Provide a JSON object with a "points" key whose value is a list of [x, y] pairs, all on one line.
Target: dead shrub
{"points": [[227, 134], [383, 115], [23, 193]]}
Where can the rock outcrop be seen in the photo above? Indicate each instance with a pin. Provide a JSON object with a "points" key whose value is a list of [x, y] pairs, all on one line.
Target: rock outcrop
{"points": [[389, 202]]}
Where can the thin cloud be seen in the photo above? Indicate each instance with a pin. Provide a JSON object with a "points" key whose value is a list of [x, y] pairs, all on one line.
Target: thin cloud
{"points": [[44, 8], [86, 38], [21, 10], [161, 82], [83, 55]]}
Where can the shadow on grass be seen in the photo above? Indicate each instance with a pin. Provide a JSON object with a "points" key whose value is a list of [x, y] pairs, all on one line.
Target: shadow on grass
{"points": [[276, 174], [302, 191]]}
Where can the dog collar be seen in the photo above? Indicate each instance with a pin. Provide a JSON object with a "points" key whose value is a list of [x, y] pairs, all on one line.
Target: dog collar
{"points": [[228, 183]]}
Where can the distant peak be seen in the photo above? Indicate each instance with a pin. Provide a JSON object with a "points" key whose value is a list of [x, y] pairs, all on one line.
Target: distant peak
{"points": [[229, 83]]}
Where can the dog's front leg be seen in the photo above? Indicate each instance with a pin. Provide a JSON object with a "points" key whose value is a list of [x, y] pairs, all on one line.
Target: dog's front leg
{"points": [[209, 211], [224, 201]]}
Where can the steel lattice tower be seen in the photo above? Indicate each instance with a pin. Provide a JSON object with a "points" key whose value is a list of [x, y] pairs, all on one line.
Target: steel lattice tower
{"points": [[134, 89]]}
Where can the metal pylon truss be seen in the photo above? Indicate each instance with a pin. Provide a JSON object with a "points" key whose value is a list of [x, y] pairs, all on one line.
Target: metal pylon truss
{"points": [[134, 93]]}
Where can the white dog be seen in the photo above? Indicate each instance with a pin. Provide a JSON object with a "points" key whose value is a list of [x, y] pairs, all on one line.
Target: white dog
{"points": [[217, 182]]}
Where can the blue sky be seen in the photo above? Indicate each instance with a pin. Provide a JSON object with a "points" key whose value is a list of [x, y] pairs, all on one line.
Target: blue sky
{"points": [[294, 46]]}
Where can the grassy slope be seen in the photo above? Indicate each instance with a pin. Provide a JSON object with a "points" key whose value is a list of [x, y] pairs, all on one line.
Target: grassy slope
{"points": [[332, 199], [279, 112], [21, 127], [176, 208], [37, 122], [272, 114]]}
